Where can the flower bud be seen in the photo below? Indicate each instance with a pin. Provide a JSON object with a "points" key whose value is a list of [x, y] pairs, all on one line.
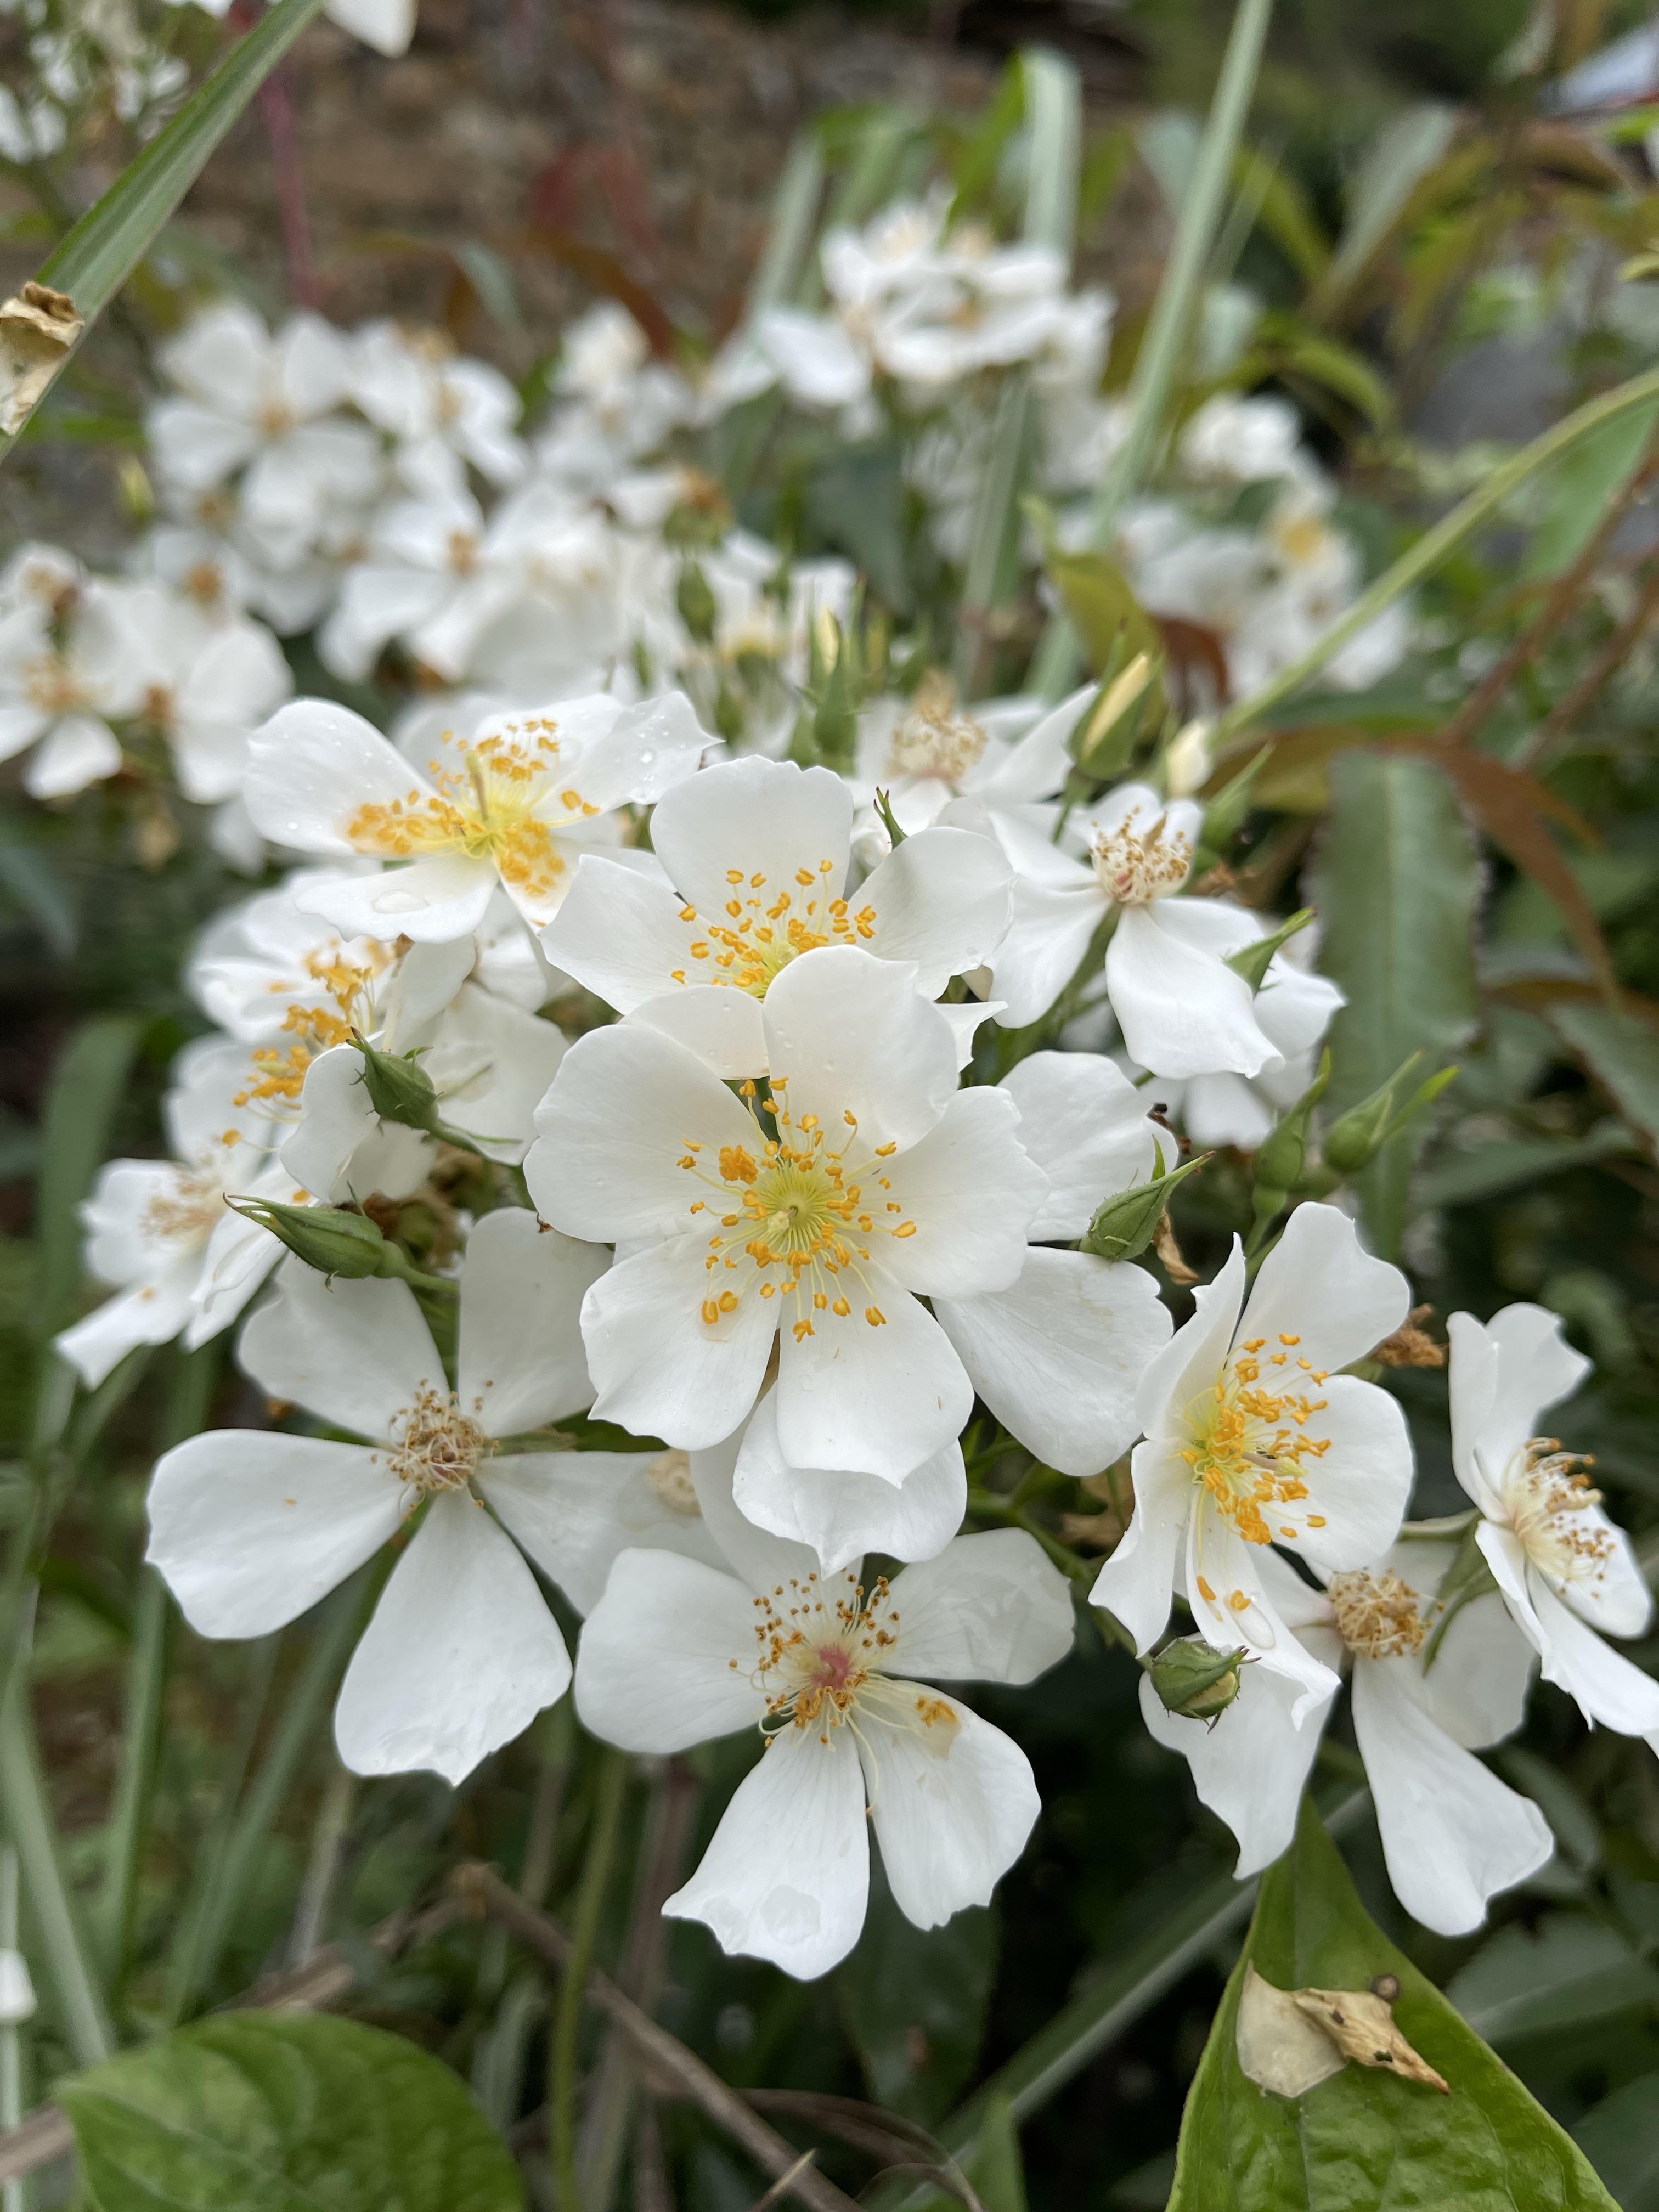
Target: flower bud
{"points": [[325, 1237], [1126, 1223], [1192, 1680], [1355, 1138], [399, 1089]]}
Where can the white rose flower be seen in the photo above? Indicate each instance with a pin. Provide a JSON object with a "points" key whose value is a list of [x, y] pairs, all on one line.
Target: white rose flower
{"points": [[161, 1231], [512, 805], [1182, 1009], [1253, 1438], [1566, 1572], [883, 1181], [834, 1677], [757, 854], [445, 411], [1453, 1834], [251, 1528], [62, 684]]}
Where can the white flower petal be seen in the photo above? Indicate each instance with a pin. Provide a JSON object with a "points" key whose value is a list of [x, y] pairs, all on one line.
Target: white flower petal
{"points": [[356, 1353], [336, 1115], [660, 1368], [1610, 1690], [1085, 1124], [431, 901], [654, 1669], [1251, 1765], [461, 1655], [760, 818], [1232, 1590], [1041, 761], [78, 750], [1049, 928], [1505, 1377], [1182, 1009], [1193, 1357], [153, 1311], [952, 1800], [724, 1028], [972, 1192], [851, 1034], [626, 1108], [491, 1064], [249, 1529], [1058, 1356], [786, 1876], [842, 1516], [311, 767], [991, 1608], [1319, 1286], [620, 935], [877, 1398], [1359, 1488], [575, 1511], [1136, 1584], [1453, 1834], [521, 1361], [940, 899]]}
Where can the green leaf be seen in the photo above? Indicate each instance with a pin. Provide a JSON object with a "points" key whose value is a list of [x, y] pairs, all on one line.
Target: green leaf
{"points": [[1398, 883], [1399, 156], [1364, 2140], [1462, 1178], [87, 1087], [995, 2169], [1620, 2138], [1579, 488], [1570, 1971], [1622, 1054], [103, 249], [914, 2001], [1110, 621], [285, 2112]]}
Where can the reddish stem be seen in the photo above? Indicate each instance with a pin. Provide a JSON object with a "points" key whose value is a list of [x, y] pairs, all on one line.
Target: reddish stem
{"points": [[278, 112]]}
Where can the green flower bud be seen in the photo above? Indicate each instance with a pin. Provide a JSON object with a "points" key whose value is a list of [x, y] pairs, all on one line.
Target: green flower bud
{"points": [[1193, 1681], [399, 1089], [325, 1237], [695, 598], [1127, 1223], [1355, 1138]]}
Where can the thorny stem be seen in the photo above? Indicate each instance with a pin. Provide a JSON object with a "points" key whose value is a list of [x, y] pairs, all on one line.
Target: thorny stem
{"points": [[597, 1865], [1563, 596], [1573, 700]]}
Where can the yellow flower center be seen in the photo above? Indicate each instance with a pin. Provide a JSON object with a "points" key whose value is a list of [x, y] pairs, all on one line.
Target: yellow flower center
{"points": [[670, 1477], [1134, 866], [189, 1214], [934, 738], [504, 805], [819, 1656], [797, 1218], [436, 1446], [1249, 1444], [51, 684], [345, 1004], [1377, 1615], [760, 931], [1547, 1490]]}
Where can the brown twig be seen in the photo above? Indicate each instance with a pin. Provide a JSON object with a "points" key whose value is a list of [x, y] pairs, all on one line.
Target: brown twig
{"points": [[1573, 700], [1562, 598], [482, 1889]]}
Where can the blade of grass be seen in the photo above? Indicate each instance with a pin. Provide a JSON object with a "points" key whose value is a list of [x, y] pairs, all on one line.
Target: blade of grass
{"points": [[195, 1379], [82, 2010], [1053, 105], [789, 238], [15, 2195], [100, 253], [338, 1622], [1150, 386], [598, 1863], [87, 1086], [1437, 545]]}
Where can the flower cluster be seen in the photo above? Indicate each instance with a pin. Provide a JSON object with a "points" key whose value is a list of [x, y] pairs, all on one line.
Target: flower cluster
{"points": [[690, 1033]]}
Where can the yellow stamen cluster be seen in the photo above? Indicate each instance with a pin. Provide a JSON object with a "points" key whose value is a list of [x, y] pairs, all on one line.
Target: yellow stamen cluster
{"points": [[795, 1205], [819, 1657], [670, 1476], [1250, 1444], [1136, 867], [760, 931], [49, 683], [504, 805], [190, 1212], [1547, 1490], [934, 738], [343, 1004], [1377, 1615], [436, 1446]]}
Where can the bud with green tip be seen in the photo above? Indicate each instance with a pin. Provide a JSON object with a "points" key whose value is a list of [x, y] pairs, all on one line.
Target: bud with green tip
{"points": [[1354, 1140], [326, 1237], [1253, 962], [1282, 1157], [1105, 736], [1127, 1223], [399, 1089], [1192, 1680]]}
